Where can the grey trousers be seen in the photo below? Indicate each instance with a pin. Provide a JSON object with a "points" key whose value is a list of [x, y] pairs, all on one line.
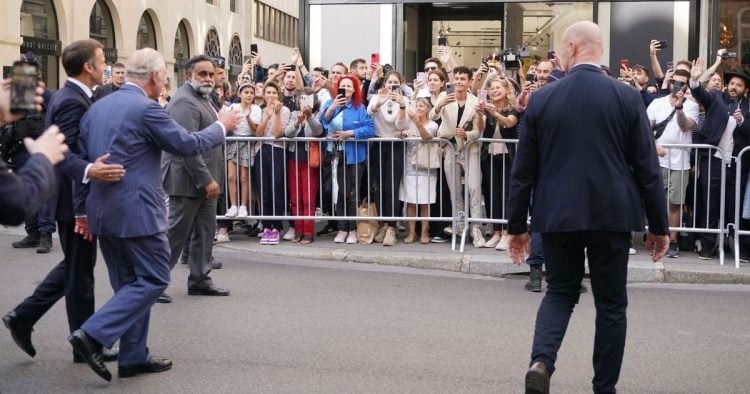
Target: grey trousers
{"points": [[198, 214]]}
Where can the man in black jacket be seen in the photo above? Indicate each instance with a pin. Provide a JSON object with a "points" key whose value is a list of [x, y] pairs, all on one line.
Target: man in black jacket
{"points": [[588, 155], [726, 127]]}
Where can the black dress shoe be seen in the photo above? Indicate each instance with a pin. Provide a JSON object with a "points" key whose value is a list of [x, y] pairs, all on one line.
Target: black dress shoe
{"points": [[537, 379], [91, 351], [45, 243], [216, 265], [152, 365], [208, 291], [164, 298], [20, 332]]}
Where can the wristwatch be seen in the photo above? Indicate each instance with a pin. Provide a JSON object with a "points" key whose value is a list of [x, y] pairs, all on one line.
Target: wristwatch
{"points": [[678, 108]]}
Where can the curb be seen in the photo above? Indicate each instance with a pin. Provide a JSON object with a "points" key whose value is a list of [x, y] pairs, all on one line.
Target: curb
{"points": [[478, 264]]}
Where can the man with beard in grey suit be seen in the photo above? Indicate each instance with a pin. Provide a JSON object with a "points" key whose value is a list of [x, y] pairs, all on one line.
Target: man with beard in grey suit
{"points": [[193, 183]]}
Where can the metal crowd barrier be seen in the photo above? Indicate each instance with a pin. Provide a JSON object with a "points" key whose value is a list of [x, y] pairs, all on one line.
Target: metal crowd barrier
{"points": [[711, 157], [369, 180], [738, 231], [378, 169], [487, 181]]}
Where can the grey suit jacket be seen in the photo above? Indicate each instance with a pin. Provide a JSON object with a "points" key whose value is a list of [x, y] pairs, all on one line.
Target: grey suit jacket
{"points": [[188, 176]]}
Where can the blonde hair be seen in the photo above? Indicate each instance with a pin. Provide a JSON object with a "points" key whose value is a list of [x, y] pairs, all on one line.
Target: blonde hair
{"points": [[510, 90]]}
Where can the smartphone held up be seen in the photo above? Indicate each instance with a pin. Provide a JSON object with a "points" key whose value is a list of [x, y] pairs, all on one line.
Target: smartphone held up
{"points": [[24, 80]]}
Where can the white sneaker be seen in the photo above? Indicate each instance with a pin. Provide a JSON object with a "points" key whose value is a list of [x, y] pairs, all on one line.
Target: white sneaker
{"points": [[340, 237], [231, 212], [289, 235], [631, 251], [478, 237], [242, 212], [503, 244], [492, 242], [222, 238], [352, 237]]}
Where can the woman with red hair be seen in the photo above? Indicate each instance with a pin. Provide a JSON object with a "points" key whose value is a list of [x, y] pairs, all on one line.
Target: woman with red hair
{"points": [[345, 117]]}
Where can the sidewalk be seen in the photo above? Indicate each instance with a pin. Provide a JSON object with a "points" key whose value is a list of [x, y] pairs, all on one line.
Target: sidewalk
{"points": [[486, 261]]}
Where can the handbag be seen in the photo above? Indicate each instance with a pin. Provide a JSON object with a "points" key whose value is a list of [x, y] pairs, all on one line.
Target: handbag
{"points": [[366, 228], [658, 128], [426, 155], [313, 155]]}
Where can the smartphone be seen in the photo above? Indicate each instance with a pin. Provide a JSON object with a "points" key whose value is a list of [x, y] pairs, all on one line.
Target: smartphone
{"points": [[550, 54], [422, 77], [254, 48], [24, 79], [375, 58], [307, 100], [395, 88], [108, 72], [341, 92], [442, 41], [624, 63], [482, 96], [670, 65], [662, 44], [449, 89], [292, 67], [530, 77]]}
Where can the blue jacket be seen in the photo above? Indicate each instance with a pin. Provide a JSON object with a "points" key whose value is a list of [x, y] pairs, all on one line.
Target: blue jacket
{"points": [[356, 119], [134, 129]]}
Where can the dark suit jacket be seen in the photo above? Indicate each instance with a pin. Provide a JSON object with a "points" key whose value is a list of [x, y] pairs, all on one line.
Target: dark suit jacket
{"points": [[188, 176], [104, 90], [66, 110], [588, 154], [717, 109], [22, 193], [134, 130]]}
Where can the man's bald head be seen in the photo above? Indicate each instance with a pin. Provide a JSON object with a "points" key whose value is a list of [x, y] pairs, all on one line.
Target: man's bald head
{"points": [[582, 43]]}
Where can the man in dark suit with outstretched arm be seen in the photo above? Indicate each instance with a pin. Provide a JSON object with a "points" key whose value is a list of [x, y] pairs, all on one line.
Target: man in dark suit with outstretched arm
{"points": [[589, 157]]}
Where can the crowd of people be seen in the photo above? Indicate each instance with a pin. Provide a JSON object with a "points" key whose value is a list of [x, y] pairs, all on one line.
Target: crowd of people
{"points": [[361, 111], [328, 142]]}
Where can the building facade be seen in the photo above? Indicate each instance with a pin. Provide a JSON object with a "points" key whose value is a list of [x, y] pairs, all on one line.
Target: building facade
{"points": [[405, 32], [179, 29]]}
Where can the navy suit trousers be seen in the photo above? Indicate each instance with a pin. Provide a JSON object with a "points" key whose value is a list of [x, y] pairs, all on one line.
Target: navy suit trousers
{"points": [[73, 278], [139, 274], [565, 254]]}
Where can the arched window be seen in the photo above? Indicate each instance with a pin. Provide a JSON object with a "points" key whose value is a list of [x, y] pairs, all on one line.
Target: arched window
{"points": [[213, 46], [102, 29], [181, 53], [146, 33], [235, 58], [40, 36]]}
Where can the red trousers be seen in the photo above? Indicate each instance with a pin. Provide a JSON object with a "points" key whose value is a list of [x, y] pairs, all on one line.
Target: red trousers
{"points": [[303, 190]]}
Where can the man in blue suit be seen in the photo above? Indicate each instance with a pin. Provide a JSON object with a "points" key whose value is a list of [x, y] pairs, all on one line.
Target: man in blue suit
{"points": [[130, 216], [73, 277], [588, 154]]}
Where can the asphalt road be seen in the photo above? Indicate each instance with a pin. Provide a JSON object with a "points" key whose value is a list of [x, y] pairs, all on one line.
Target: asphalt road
{"points": [[293, 325]]}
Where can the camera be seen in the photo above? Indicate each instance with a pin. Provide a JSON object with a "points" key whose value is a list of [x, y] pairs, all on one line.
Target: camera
{"points": [[727, 55], [511, 60]]}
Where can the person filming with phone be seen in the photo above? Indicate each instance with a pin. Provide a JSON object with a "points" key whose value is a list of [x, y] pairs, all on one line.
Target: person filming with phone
{"points": [[672, 119]]}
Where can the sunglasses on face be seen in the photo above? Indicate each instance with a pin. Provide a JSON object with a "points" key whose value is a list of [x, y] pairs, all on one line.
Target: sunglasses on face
{"points": [[430, 68]]}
